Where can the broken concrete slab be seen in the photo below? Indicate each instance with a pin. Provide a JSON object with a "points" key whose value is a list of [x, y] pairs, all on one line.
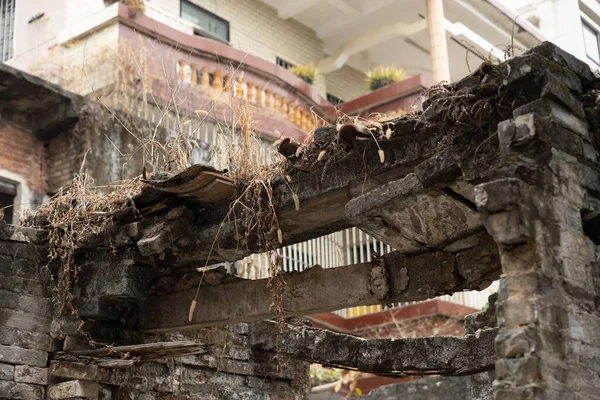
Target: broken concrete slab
{"points": [[21, 391], [390, 357], [27, 374], [411, 219], [17, 355]]}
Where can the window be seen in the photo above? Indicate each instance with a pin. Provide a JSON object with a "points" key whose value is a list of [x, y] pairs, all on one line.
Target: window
{"points": [[8, 192], [209, 25], [7, 28], [282, 63], [334, 99], [590, 39]]}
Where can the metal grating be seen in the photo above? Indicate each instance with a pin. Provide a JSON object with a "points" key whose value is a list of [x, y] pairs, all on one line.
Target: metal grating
{"points": [[7, 29]]}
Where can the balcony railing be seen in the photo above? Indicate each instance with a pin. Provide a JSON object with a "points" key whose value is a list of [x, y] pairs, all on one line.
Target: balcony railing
{"points": [[217, 82], [213, 72]]}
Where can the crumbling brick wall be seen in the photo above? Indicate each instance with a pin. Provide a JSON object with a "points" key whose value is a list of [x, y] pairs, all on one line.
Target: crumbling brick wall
{"points": [[32, 367], [23, 161], [25, 314]]}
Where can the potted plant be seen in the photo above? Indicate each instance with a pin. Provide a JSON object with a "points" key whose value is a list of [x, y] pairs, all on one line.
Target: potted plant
{"points": [[307, 73], [379, 77]]}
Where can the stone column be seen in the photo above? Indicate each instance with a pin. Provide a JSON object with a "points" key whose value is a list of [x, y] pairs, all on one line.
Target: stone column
{"points": [[545, 185]]}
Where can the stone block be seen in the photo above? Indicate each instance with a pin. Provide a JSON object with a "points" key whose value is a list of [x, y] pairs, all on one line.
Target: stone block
{"points": [[17, 355], [27, 251], [28, 340], [546, 108], [555, 89], [7, 372], [20, 391], [27, 374], [533, 66], [21, 267], [75, 388], [519, 312], [16, 284], [15, 233], [240, 329], [590, 152], [499, 195], [25, 303], [508, 227], [520, 371], [76, 342], [558, 55], [150, 245], [25, 321], [517, 342], [533, 136]]}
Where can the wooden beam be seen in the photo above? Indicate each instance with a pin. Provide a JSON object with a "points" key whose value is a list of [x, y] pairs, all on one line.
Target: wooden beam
{"points": [[440, 355], [146, 351], [393, 278]]}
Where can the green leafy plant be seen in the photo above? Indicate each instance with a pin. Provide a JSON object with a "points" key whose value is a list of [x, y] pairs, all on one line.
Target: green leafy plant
{"points": [[379, 77], [307, 73]]}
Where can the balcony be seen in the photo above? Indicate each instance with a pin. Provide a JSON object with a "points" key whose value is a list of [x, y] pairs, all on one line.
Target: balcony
{"points": [[215, 77]]}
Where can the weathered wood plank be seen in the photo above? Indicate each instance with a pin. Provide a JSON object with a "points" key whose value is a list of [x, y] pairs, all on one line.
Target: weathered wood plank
{"points": [[393, 278], [144, 351], [439, 355]]}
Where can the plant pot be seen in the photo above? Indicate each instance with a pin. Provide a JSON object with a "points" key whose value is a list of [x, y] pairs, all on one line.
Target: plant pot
{"points": [[306, 79], [380, 84]]}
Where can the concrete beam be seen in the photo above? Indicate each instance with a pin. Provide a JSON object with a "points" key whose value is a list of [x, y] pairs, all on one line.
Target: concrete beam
{"points": [[290, 9], [441, 355], [393, 278], [339, 58]]}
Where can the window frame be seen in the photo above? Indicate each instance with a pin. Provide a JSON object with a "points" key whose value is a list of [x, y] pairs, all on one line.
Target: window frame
{"points": [[198, 30], [587, 23], [281, 61], [8, 38], [8, 187], [334, 100]]}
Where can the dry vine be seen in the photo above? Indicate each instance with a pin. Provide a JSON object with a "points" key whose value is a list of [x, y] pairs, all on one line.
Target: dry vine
{"points": [[75, 214]]}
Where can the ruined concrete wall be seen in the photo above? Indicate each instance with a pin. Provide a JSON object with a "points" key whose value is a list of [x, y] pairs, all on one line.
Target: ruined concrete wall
{"points": [[34, 347]]}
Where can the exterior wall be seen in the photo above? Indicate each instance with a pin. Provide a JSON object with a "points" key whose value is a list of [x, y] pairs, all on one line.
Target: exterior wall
{"points": [[35, 37], [256, 28], [561, 22], [346, 83], [83, 66], [77, 10], [23, 160]]}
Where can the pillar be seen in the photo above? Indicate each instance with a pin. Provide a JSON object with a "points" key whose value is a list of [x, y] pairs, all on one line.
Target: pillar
{"points": [[437, 40]]}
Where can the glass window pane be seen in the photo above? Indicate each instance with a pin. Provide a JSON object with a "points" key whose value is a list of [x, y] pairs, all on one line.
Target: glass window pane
{"points": [[590, 38], [211, 24]]}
